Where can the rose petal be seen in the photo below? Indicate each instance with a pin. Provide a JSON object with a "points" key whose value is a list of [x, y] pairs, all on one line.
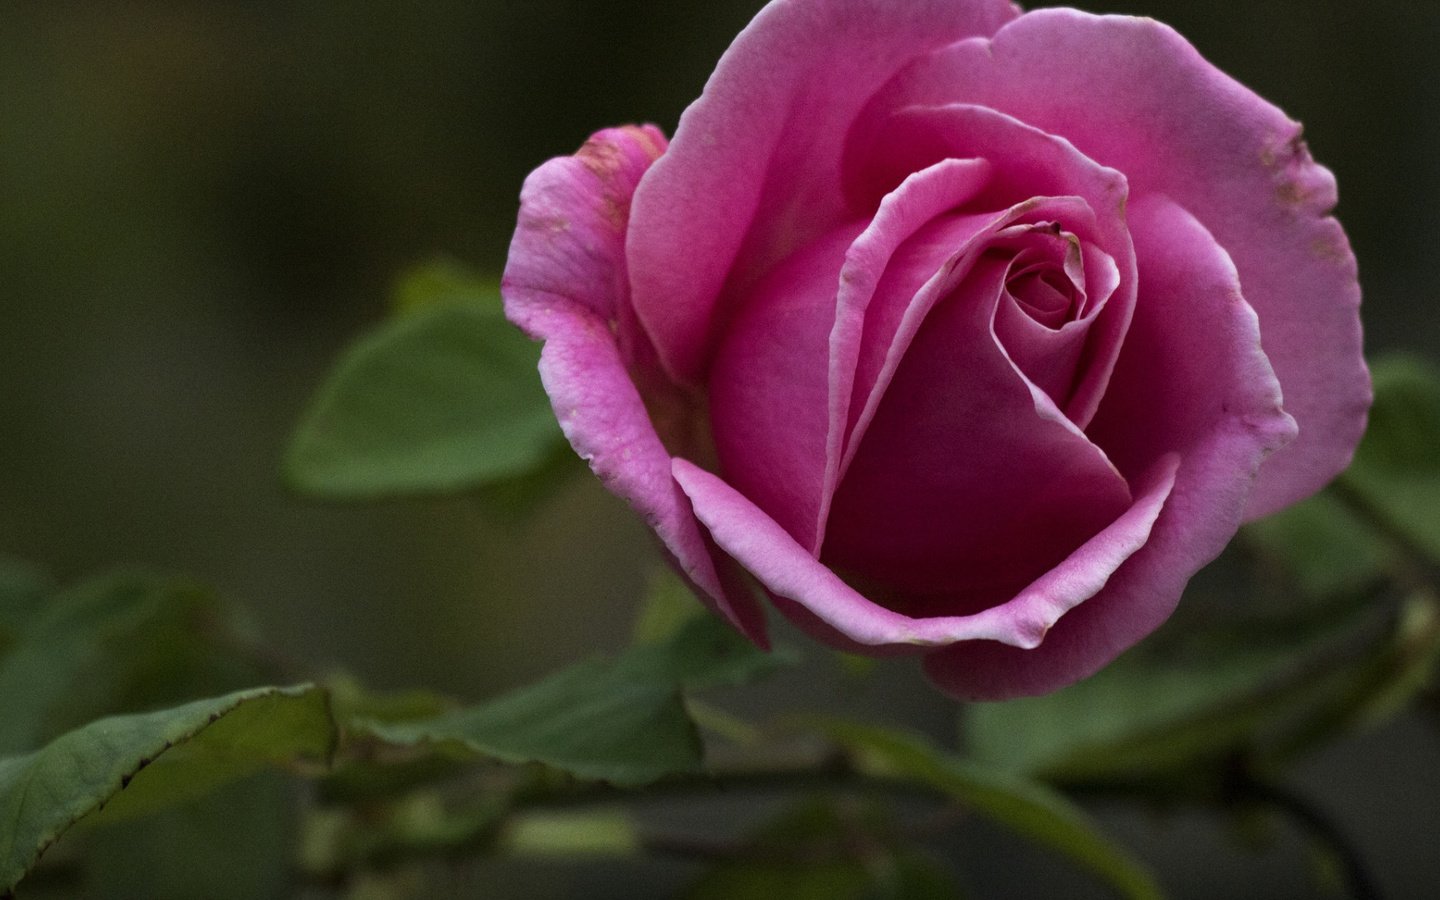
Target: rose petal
{"points": [[769, 392], [1193, 381], [919, 274], [752, 170], [570, 238], [1041, 334], [836, 613], [921, 197], [565, 284], [1025, 162], [969, 483], [1133, 94]]}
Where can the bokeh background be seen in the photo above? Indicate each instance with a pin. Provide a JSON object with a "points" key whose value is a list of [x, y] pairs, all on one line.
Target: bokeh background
{"points": [[202, 202]]}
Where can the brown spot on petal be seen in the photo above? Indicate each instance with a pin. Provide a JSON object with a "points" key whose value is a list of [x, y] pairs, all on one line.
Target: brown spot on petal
{"points": [[1284, 149], [1291, 193], [1331, 251], [643, 137]]}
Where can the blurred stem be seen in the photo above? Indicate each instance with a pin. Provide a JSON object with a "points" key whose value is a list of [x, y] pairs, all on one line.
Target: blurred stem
{"points": [[1359, 882], [1239, 786], [464, 832]]}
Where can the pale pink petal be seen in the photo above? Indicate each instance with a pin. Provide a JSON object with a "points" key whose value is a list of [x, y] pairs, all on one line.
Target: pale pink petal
{"points": [[752, 171], [570, 238], [1132, 94], [565, 284], [1192, 381]]}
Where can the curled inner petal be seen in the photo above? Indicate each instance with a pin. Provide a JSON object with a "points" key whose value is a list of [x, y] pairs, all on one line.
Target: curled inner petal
{"points": [[969, 483]]}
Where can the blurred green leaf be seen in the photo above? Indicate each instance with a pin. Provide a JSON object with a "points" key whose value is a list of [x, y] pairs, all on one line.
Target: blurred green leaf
{"points": [[441, 282], [116, 644], [1370, 688], [339, 844], [668, 605], [233, 844], [704, 653], [351, 701], [441, 400], [508, 501], [595, 720], [1158, 710], [142, 762], [1026, 807], [1395, 478], [826, 850], [621, 720], [23, 589], [1323, 547]]}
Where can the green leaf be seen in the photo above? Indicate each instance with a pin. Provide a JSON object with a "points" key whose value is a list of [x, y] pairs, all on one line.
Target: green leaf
{"points": [[667, 607], [1026, 807], [233, 844], [704, 653], [595, 720], [142, 762], [116, 644], [1395, 478], [1369, 689], [1323, 547], [622, 721], [441, 400], [1160, 710], [23, 589], [440, 282]]}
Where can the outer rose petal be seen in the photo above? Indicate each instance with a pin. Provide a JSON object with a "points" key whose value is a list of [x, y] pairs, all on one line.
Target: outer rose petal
{"points": [[565, 284], [1192, 379], [1132, 94], [834, 612], [753, 170]]}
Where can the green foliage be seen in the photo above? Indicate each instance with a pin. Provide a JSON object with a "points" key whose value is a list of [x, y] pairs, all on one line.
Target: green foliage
{"points": [[145, 761], [22, 589], [602, 832], [1026, 807], [440, 399], [1164, 709], [236, 843], [622, 721], [1323, 548], [827, 849], [440, 282], [117, 643], [1197, 715], [1395, 479]]}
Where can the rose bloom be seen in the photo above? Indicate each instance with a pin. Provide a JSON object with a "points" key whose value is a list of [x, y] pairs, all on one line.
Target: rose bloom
{"points": [[965, 333]]}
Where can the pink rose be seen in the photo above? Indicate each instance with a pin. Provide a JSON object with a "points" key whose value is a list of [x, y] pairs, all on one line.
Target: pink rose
{"points": [[963, 332]]}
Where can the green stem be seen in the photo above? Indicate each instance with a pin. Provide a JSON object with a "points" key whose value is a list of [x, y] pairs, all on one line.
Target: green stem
{"points": [[1360, 883]]}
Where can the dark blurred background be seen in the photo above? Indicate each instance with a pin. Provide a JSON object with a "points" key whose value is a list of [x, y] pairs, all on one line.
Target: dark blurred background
{"points": [[201, 203]]}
